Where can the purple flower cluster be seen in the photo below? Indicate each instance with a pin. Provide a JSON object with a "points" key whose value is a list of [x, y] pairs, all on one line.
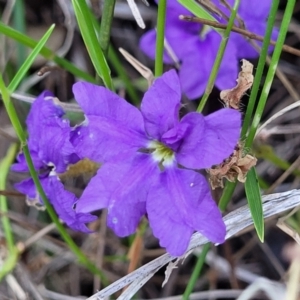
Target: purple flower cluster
{"points": [[149, 161], [196, 46], [51, 152]]}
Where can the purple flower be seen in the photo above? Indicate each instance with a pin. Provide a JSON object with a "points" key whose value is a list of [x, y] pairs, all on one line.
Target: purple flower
{"points": [[196, 48], [150, 158], [51, 151]]}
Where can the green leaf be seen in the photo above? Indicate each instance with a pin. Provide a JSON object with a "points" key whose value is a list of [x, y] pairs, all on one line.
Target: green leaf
{"points": [[255, 202], [29, 60], [91, 42]]}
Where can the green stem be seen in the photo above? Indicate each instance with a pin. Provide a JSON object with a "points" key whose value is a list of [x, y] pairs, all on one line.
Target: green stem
{"points": [[106, 21], [260, 68], [218, 60], [227, 195], [21, 135], [4, 167], [160, 37], [196, 271], [230, 186], [271, 72]]}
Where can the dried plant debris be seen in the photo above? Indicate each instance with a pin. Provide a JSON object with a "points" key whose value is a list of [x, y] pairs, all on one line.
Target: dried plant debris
{"points": [[232, 97], [232, 168], [235, 222]]}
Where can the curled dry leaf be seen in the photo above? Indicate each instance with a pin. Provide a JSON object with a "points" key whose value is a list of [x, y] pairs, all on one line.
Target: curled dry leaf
{"points": [[232, 97], [234, 167]]}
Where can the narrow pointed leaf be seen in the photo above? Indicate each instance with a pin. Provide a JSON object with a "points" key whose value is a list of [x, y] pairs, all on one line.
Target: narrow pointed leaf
{"points": [[255, 202], [45, 52], [91, 42], [29, 60]]}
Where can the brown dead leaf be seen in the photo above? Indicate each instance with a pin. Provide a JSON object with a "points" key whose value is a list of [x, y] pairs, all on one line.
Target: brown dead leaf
{"points": [[232, 97], [234, 167]]}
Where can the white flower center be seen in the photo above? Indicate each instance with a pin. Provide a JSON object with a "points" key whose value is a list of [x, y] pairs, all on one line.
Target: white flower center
{"points": [[161, 153]]}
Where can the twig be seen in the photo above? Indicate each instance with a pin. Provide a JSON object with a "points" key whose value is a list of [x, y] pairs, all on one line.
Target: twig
{"points": [[23, 245], [213, 294], [244, 32], [278, 114], [295, 165]]}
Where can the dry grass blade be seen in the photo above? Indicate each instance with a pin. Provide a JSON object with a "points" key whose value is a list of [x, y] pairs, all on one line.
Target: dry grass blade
{"points": [[143, 70], [277, 115], [136, 13], [235, 222], [272, 289]]}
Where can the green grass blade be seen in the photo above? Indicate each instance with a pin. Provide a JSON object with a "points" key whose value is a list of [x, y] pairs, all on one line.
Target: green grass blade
{"points": [[260, 68], [106, 21], [118, 67], [30, 59], [5, 164], [255, 202], [45, 52], [271, 72], [91, 42], [196, 272], [230, 186], [13, 254], [19, 23]]}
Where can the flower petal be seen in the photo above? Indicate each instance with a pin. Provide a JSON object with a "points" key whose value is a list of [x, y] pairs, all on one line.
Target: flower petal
{"points": [[21, 164], [255, 10], [161, 104], [245, 49], [147, 44], [178, 205], [27, 187], [49, 135], [197, 65], [209, 139], [99, 101], [176, 31], [121, 187], [63, 202], [103, 139]]}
